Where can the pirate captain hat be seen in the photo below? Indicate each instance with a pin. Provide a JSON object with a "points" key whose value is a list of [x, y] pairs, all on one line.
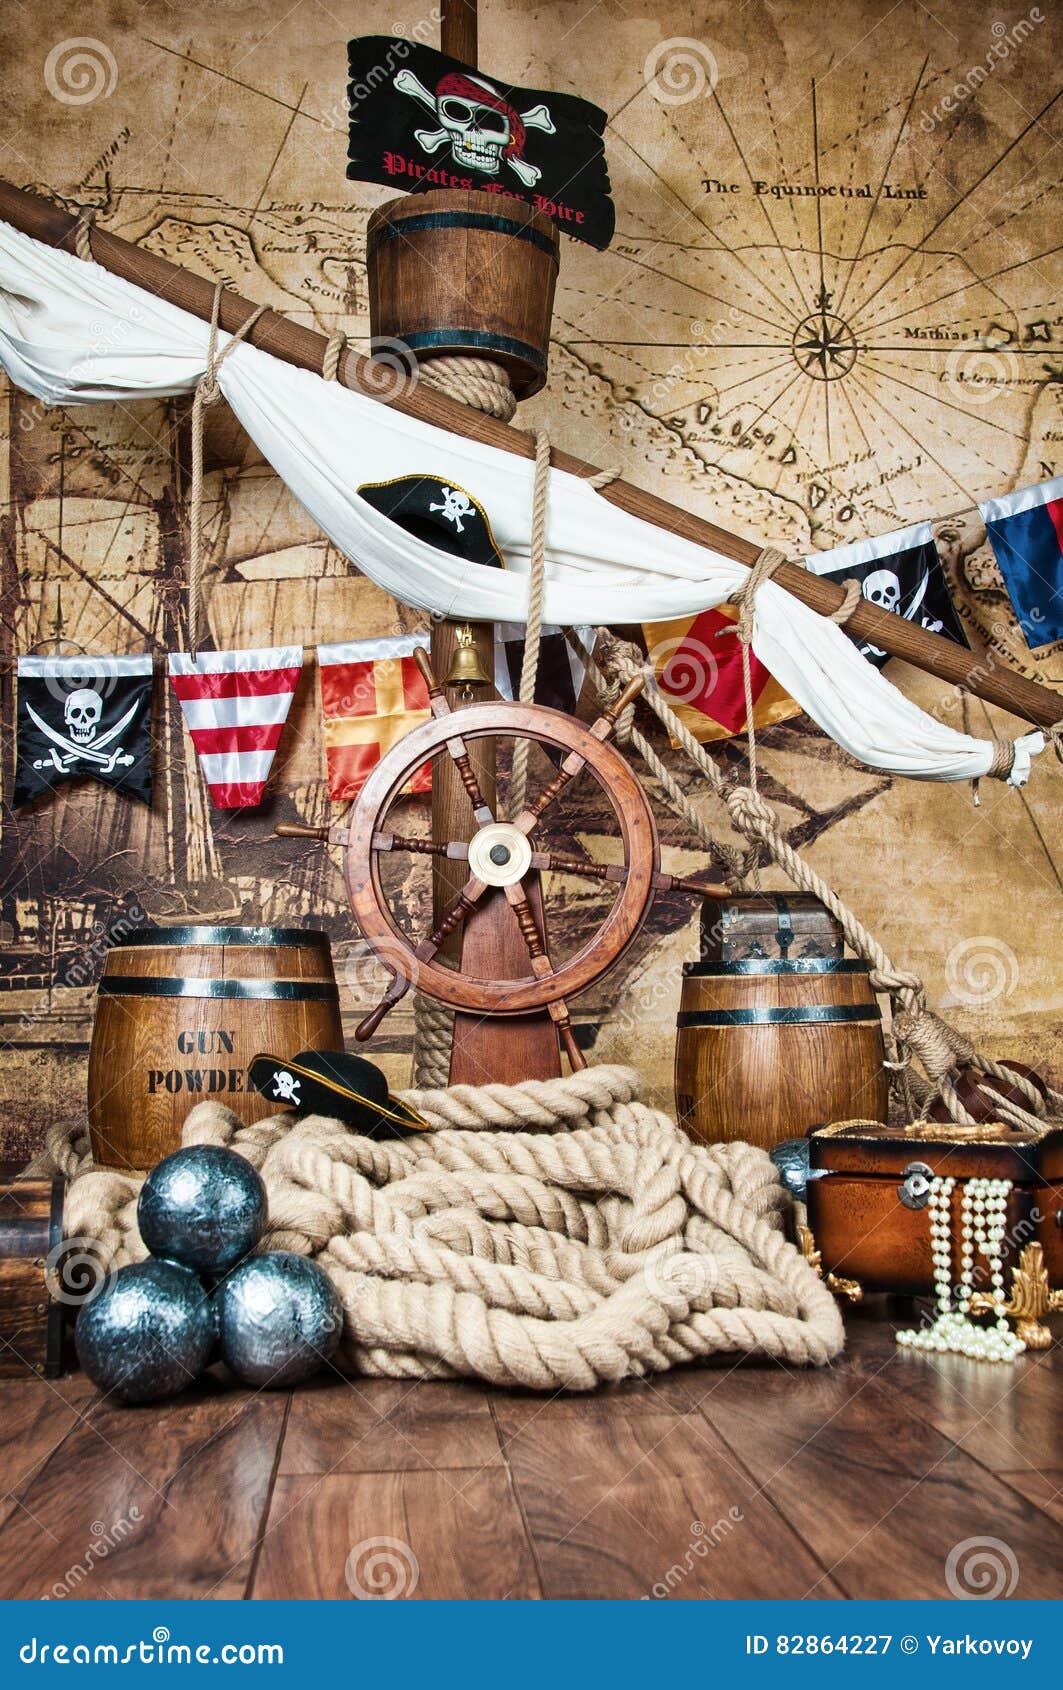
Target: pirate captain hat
{"points": [[333, 1082], [436, 511]]}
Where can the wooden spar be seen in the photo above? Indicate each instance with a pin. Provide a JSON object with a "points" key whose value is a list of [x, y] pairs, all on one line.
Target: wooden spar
{"points": [[981, 674]]}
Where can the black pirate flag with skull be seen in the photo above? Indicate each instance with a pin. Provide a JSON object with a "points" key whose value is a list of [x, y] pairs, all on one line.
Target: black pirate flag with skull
{"points": [[83, 716], [422, 120], [899, 572]]}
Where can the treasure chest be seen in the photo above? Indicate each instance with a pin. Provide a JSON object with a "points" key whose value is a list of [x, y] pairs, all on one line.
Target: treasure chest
{"points": [[869, 1198], [31, 1232], [771, 927]]}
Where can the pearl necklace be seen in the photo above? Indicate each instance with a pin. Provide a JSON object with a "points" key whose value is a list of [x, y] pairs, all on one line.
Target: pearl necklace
{"points": [[983, 1218]]}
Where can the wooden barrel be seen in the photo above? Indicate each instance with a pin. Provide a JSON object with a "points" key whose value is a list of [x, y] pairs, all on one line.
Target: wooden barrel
{"points": [[767, 1048], [180, 1013], [459, 272], [31, 1231]]}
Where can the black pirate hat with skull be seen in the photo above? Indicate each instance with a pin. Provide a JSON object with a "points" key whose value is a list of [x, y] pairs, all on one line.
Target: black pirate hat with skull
{"points": [[336, 1083], [81, 716], [438, 512]]}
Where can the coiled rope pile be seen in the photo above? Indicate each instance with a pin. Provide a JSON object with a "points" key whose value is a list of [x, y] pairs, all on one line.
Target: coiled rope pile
{"points": [[553, 1235]]}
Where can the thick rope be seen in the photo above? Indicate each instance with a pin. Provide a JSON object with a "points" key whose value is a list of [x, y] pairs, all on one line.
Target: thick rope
{"points": [[472, 381], [207, 393], [433, 1035], [854, 593], [335, 347], [916, 1031], [83, 233], [554, 1235], [533, 632]]}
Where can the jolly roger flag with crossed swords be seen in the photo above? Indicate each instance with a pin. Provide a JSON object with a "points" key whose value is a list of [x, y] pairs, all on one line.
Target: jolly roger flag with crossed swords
{"points": [[900, 572], [82, 716], [420, 119]]}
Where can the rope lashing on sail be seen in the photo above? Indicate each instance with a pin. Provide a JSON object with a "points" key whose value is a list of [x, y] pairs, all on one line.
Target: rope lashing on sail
{"points": [[83, 233], [207, 393], [553, 1235], [335, 347]]}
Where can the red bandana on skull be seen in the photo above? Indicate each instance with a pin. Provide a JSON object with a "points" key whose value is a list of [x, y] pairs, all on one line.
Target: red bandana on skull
{"points": [[465, 88]]}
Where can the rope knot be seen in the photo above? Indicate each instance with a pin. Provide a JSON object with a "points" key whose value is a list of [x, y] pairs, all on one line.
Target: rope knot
{"points": [[751, 814]]}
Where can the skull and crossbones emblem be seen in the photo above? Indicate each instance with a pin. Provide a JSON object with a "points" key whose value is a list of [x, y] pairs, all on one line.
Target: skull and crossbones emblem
{"points": [[84, 743], [482, 129], [285, 1086], [455, 507], [883, 587]]}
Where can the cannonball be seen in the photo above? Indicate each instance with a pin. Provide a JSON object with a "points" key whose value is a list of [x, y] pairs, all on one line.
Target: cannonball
{"points": [[148, 1334], [204, 1207], [279, 1319]]}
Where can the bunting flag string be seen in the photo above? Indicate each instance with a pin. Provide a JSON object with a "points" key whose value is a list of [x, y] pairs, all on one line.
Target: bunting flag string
{"points": [[1025, 529], [235, 705], [900, 572], [697, 661], [83, 716], [561, 671], [372, 693]]}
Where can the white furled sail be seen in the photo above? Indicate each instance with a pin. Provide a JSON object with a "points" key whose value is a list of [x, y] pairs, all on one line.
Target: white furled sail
{"points": [[72, 333]]}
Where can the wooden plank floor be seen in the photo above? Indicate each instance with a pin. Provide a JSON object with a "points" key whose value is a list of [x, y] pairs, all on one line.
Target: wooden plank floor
{"points": [[733, 1481]]}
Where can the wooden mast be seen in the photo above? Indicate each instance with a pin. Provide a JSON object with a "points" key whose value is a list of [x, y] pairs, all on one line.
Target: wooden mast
{"points": [[983, 675], [523, 1047]]}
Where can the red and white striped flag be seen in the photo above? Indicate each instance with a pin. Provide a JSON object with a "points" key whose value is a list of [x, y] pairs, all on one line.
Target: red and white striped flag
{"points": [[235, 704]]}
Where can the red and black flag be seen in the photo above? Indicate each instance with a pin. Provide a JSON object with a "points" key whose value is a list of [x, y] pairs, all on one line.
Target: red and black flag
{"points": [[419, 119]]}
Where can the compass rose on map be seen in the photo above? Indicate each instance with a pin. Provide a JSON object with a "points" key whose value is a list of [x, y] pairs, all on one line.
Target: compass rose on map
{"points": [[839, 305], [824, 344]]}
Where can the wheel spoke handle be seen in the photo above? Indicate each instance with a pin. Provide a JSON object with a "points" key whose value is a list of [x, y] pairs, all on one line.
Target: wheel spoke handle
{"points": [[602, 729], [480, 808], [398, 988], [456, 849], [547, 861], [459, 911]]}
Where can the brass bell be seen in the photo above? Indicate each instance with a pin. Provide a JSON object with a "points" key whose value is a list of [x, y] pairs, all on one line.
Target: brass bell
{"points": [[466, 671]]}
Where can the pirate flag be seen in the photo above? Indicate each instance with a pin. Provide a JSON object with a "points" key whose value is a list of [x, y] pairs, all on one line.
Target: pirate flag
{"points": [[83, 716], [900, 572], [422, 120]]}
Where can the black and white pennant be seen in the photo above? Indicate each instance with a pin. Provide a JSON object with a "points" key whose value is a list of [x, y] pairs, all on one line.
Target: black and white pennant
{"points": [[900, 572], [83, 716]]}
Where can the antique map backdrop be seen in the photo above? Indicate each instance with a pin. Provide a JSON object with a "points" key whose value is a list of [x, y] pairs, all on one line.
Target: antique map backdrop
{"points": [[833, 307]]}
